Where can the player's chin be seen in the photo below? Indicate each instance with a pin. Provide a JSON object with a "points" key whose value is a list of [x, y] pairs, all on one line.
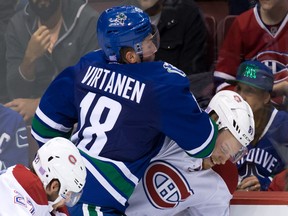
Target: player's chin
{"points": [[149, 58]]}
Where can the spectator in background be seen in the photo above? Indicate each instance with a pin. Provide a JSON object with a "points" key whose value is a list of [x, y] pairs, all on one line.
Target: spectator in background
{"points": [[7, 10], [268, 152], [182, 31], [258, 34], [236, 7], [41, 41], [21, 4], [14, 148]]}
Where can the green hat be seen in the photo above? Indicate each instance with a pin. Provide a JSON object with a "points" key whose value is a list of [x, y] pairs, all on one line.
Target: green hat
{"points": [[256, 74]]}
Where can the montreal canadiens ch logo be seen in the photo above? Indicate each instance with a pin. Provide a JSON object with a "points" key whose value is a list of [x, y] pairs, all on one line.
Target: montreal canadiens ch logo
{"points": [[165, 186]]}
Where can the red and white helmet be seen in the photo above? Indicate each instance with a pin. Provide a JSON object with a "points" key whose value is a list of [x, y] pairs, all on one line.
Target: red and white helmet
{"points": [[235, 114], [60, 159]]}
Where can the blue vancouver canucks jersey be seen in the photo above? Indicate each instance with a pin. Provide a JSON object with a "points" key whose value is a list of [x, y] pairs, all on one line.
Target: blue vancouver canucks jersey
{"points": [[123, 112], [269, 156], [14, 147]]}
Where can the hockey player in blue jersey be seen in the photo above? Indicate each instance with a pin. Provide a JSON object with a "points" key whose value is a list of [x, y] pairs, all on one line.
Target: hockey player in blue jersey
{"points": [[268, 152], [124, 105]]}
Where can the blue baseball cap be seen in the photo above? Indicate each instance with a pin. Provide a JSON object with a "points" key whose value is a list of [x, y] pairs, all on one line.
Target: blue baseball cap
{"points": [[256, 74]]}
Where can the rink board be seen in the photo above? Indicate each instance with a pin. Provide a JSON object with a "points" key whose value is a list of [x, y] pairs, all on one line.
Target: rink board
{"points": [[259, 204]]}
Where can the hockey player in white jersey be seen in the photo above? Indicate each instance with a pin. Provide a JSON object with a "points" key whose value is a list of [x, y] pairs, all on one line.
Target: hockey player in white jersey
{"points": [[57, 179], [188, 186]]}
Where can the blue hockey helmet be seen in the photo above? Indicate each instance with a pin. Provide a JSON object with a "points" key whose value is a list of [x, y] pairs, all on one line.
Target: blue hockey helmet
{"points": [[123, 26]]}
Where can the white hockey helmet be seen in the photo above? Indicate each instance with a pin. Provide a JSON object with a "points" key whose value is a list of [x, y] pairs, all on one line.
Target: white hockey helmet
{"points": [[60, 159], [235, 114]]}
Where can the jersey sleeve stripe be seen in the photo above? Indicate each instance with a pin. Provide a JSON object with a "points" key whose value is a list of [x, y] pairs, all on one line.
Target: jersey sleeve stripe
{"points": [[50, 122], [40, 140], [113, 175], [207, 147], [120, 165], [41, 129], [105, 183], [223, 75]]}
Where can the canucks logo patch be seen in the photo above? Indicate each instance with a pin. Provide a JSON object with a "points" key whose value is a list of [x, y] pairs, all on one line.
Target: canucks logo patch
{"points": [[171, 69], [21, 138], [165, 186], [119, 20]]}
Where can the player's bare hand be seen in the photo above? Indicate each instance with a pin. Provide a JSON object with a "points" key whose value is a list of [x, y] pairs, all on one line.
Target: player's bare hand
{"points": [[226, 147], [38, 44], [207, 163], [250, 183], [26, 107]]}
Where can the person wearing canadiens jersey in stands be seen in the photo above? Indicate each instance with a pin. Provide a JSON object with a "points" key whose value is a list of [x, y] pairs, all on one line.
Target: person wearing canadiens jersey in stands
{"points": [[257, 34]]}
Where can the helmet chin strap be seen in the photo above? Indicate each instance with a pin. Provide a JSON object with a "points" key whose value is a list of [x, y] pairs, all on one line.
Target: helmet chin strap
{"points": [[51, 203], [141, 57], [50, 206]]}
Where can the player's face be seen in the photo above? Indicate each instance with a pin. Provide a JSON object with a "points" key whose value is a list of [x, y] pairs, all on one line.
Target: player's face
{"points": [[150, 46], [256, 98], [227, 147], [57, 200]]}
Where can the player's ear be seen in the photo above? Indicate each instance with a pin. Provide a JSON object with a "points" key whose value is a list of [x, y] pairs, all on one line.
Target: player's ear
{"points": [[131, 57], [128, 56], [53, 186]]}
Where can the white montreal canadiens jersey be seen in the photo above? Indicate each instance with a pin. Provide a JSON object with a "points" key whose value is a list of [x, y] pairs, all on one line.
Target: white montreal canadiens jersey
{"points": [[173, 183], [15, 200]]}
